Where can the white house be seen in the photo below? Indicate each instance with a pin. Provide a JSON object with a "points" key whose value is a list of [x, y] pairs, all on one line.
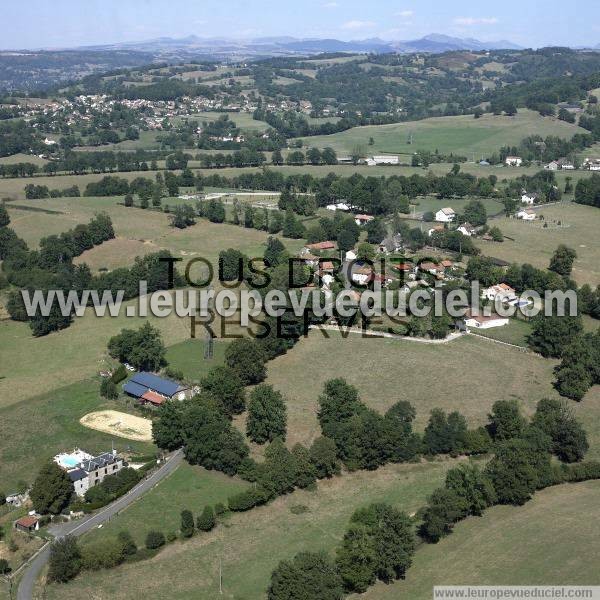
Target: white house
{"points": [[485, 322], [445, 215], [431, 231], [566, 164], [529, 197], [350, 255], [383, 160], [513, 161], [501, 291], [526, 215], [362, 275], [552, 166], [338, 206], [467, 229]]}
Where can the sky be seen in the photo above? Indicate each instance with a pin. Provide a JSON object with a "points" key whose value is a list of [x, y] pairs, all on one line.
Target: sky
{"points": [[67, 23]]}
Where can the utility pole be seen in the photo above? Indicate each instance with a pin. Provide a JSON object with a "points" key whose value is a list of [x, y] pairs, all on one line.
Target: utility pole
{"points": [[220, 576], [209, 340]]}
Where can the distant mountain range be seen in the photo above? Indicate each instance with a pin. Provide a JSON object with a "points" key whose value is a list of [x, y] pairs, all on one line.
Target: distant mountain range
{"points": [[285, 45]]}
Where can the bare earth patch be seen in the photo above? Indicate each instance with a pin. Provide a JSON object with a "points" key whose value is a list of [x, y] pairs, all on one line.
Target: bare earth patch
{"points": [[119, 424]]}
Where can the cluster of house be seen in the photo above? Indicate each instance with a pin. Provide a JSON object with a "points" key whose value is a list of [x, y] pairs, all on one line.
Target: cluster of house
{"points": [[565, 164], [592, 164]]}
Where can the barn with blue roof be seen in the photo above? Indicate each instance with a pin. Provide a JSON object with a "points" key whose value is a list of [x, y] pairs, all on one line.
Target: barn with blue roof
{"points": [[150, 388]]}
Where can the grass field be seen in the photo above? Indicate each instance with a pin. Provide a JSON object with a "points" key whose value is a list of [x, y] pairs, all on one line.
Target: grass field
{"points": [[467, 375], [462, 135], [35, 429], [250, 545], [189, 487], [188, 357], [516, 332], [551, 540], [22, 158], [31, 365], [534, 244], [138, 232]]}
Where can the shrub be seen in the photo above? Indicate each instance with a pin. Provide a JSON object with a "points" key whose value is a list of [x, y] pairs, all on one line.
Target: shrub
{"points": [[187, 524], [220, 509], [308, 576], [106, 554], [119, 374], [206, 521], [65, 560], [155, 539], [171, 536], [128, 545], [4, 566], [247, 499]]}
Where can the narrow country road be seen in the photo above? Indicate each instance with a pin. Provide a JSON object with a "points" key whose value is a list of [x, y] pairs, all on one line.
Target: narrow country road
{"points": [[81, 526]]}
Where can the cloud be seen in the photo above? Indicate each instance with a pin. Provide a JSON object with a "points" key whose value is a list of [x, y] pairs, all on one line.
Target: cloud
{"points": [[470, 21], [330, 5], [354, 25], [405, 13]]}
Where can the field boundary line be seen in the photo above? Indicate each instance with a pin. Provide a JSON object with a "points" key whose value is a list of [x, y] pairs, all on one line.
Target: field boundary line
{"points": [[385, 334], [489, 339]]}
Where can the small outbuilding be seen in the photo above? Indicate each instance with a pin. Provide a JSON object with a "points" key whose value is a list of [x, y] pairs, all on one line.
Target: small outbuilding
{"points": [[27, 524]]}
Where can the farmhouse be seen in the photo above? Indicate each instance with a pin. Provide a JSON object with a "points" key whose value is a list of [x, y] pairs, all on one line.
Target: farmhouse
{"points": [[529, 197], [363, 219], [406, 268], [339, 206], [91, 472], [485, 322], [593, 164], [467, 229], [445, 215], [362, 275], [142, 383], [431, 231], [431, 267], [526, 215], [85, 470], [27, 524], [310, 259], [513, 161], [17, 498], [318, 247], [502, 291], [566, 164], [383, 160]]}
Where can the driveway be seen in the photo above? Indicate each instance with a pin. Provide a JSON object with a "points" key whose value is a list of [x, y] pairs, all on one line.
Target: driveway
{"points": [[81, 526]]}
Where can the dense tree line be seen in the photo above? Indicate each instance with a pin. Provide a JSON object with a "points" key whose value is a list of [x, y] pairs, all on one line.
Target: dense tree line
{"points": [[587, 191], [520, 466]]}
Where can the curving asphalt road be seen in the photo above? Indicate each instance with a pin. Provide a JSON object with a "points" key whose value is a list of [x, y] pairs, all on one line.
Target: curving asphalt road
{"points": [[79, 527]]}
